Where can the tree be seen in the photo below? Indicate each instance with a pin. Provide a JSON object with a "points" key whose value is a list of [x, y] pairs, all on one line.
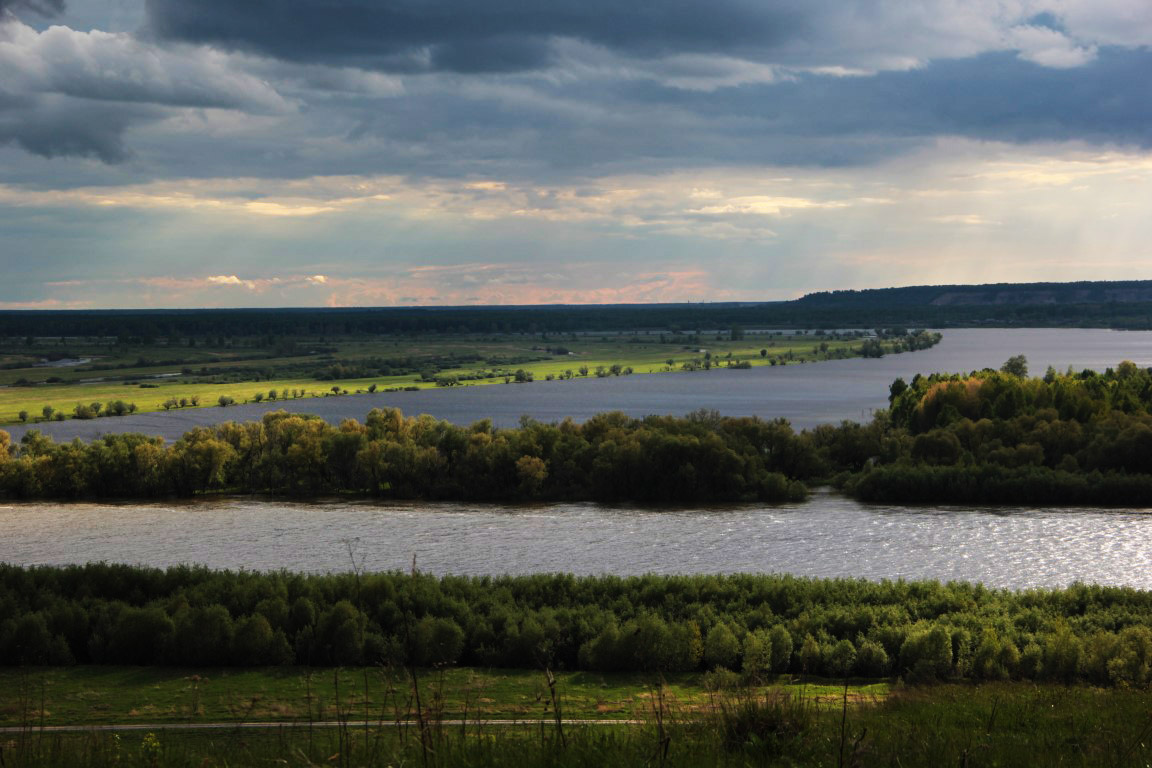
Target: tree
{"points": [[899, 387], [757, 655], [1017, 365], [532, 472], [781, 648], [23, 416], [840, 658], [48, 411]]}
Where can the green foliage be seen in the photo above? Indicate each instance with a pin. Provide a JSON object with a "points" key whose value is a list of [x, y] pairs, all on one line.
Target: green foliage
{"points": [[722, 648], [748, 624], [1017, 365], [998, 437], [757, 664], [611, 457]]}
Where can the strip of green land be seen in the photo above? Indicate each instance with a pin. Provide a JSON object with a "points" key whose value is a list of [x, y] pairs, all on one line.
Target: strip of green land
{"points": [[678, 724], [177, 373], [99, 695]]}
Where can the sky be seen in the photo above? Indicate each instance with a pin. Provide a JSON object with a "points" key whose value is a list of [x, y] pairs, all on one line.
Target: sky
{"points": [[265, 153]]}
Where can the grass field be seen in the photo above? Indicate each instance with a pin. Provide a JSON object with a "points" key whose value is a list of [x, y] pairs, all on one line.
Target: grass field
{"points": [[679, 723], [95, 695], [204, 374]]}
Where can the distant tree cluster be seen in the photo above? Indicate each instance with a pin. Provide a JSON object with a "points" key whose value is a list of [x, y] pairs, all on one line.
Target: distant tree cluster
{"points": [[757, 625], [611, 457], [1000, 437]]}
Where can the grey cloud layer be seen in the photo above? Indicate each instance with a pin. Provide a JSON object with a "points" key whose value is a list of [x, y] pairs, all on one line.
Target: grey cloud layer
{"points": [[568, 87], [513, 35], [67, 92], [41, 7], [457, 35], [521, 127]]}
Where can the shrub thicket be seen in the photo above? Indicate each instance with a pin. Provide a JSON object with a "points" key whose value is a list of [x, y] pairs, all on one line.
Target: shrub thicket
{"points": [[755, 624]]}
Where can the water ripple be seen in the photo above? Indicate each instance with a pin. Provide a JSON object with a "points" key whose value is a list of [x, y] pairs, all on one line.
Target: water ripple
{"points": [[829, 536]]}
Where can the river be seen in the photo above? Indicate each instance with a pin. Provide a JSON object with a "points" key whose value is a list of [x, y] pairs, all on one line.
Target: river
{"points": [[807, 395], [827, 536]]}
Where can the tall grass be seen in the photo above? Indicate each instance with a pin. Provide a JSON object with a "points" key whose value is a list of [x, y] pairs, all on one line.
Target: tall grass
{"points": [[1009, 724]]}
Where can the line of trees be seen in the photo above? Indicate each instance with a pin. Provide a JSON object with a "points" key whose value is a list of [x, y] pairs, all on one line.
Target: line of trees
{"points": [[611, 457], [266, 327], [756, 625]]}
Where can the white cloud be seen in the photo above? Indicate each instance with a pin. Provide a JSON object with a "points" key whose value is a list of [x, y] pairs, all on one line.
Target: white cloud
{"points": [[1049, 47], [118, 67], [1106, 22], [65, 92], [231, 280]]}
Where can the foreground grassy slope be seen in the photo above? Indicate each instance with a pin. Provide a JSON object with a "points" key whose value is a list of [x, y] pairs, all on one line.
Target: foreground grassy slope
{"points": [[98, 695], [1004, 724]]}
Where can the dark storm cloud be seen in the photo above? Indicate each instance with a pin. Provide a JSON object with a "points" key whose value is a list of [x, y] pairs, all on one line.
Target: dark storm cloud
{"points": [[53, 128], [465, 35], [66, 92], [560, 129], [994, 96], [643, 86]]}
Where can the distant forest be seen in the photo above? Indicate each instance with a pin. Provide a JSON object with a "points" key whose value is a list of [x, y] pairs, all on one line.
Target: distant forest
{"points": [[1085, 304]]}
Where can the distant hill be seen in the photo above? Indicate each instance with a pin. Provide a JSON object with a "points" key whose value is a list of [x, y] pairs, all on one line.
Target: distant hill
{"points": [[990, 295], [1118, 304]]}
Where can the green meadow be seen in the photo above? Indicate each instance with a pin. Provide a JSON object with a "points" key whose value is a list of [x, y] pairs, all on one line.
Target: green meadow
{"points": [[173, 375], [370, 717], [99, 695]]}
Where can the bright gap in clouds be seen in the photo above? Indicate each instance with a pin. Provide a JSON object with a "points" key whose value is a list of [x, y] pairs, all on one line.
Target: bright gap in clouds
{"points": [[961, 211]]}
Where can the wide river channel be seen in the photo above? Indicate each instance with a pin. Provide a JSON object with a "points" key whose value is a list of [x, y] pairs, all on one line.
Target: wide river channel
{"points": [[826, 536]]}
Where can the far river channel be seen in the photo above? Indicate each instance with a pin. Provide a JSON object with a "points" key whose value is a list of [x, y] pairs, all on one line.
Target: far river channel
{"points": [[828, 536]]}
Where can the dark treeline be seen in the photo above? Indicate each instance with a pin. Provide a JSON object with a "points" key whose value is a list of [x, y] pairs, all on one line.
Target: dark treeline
{"points": [[1000, 437], [755, 624], [848, 309], [611, 457], [1097, 292]]}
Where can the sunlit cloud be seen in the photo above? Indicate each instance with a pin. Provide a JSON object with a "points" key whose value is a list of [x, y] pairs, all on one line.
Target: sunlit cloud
{"points": [[229, 280], [958, 210], [465, 284]]}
